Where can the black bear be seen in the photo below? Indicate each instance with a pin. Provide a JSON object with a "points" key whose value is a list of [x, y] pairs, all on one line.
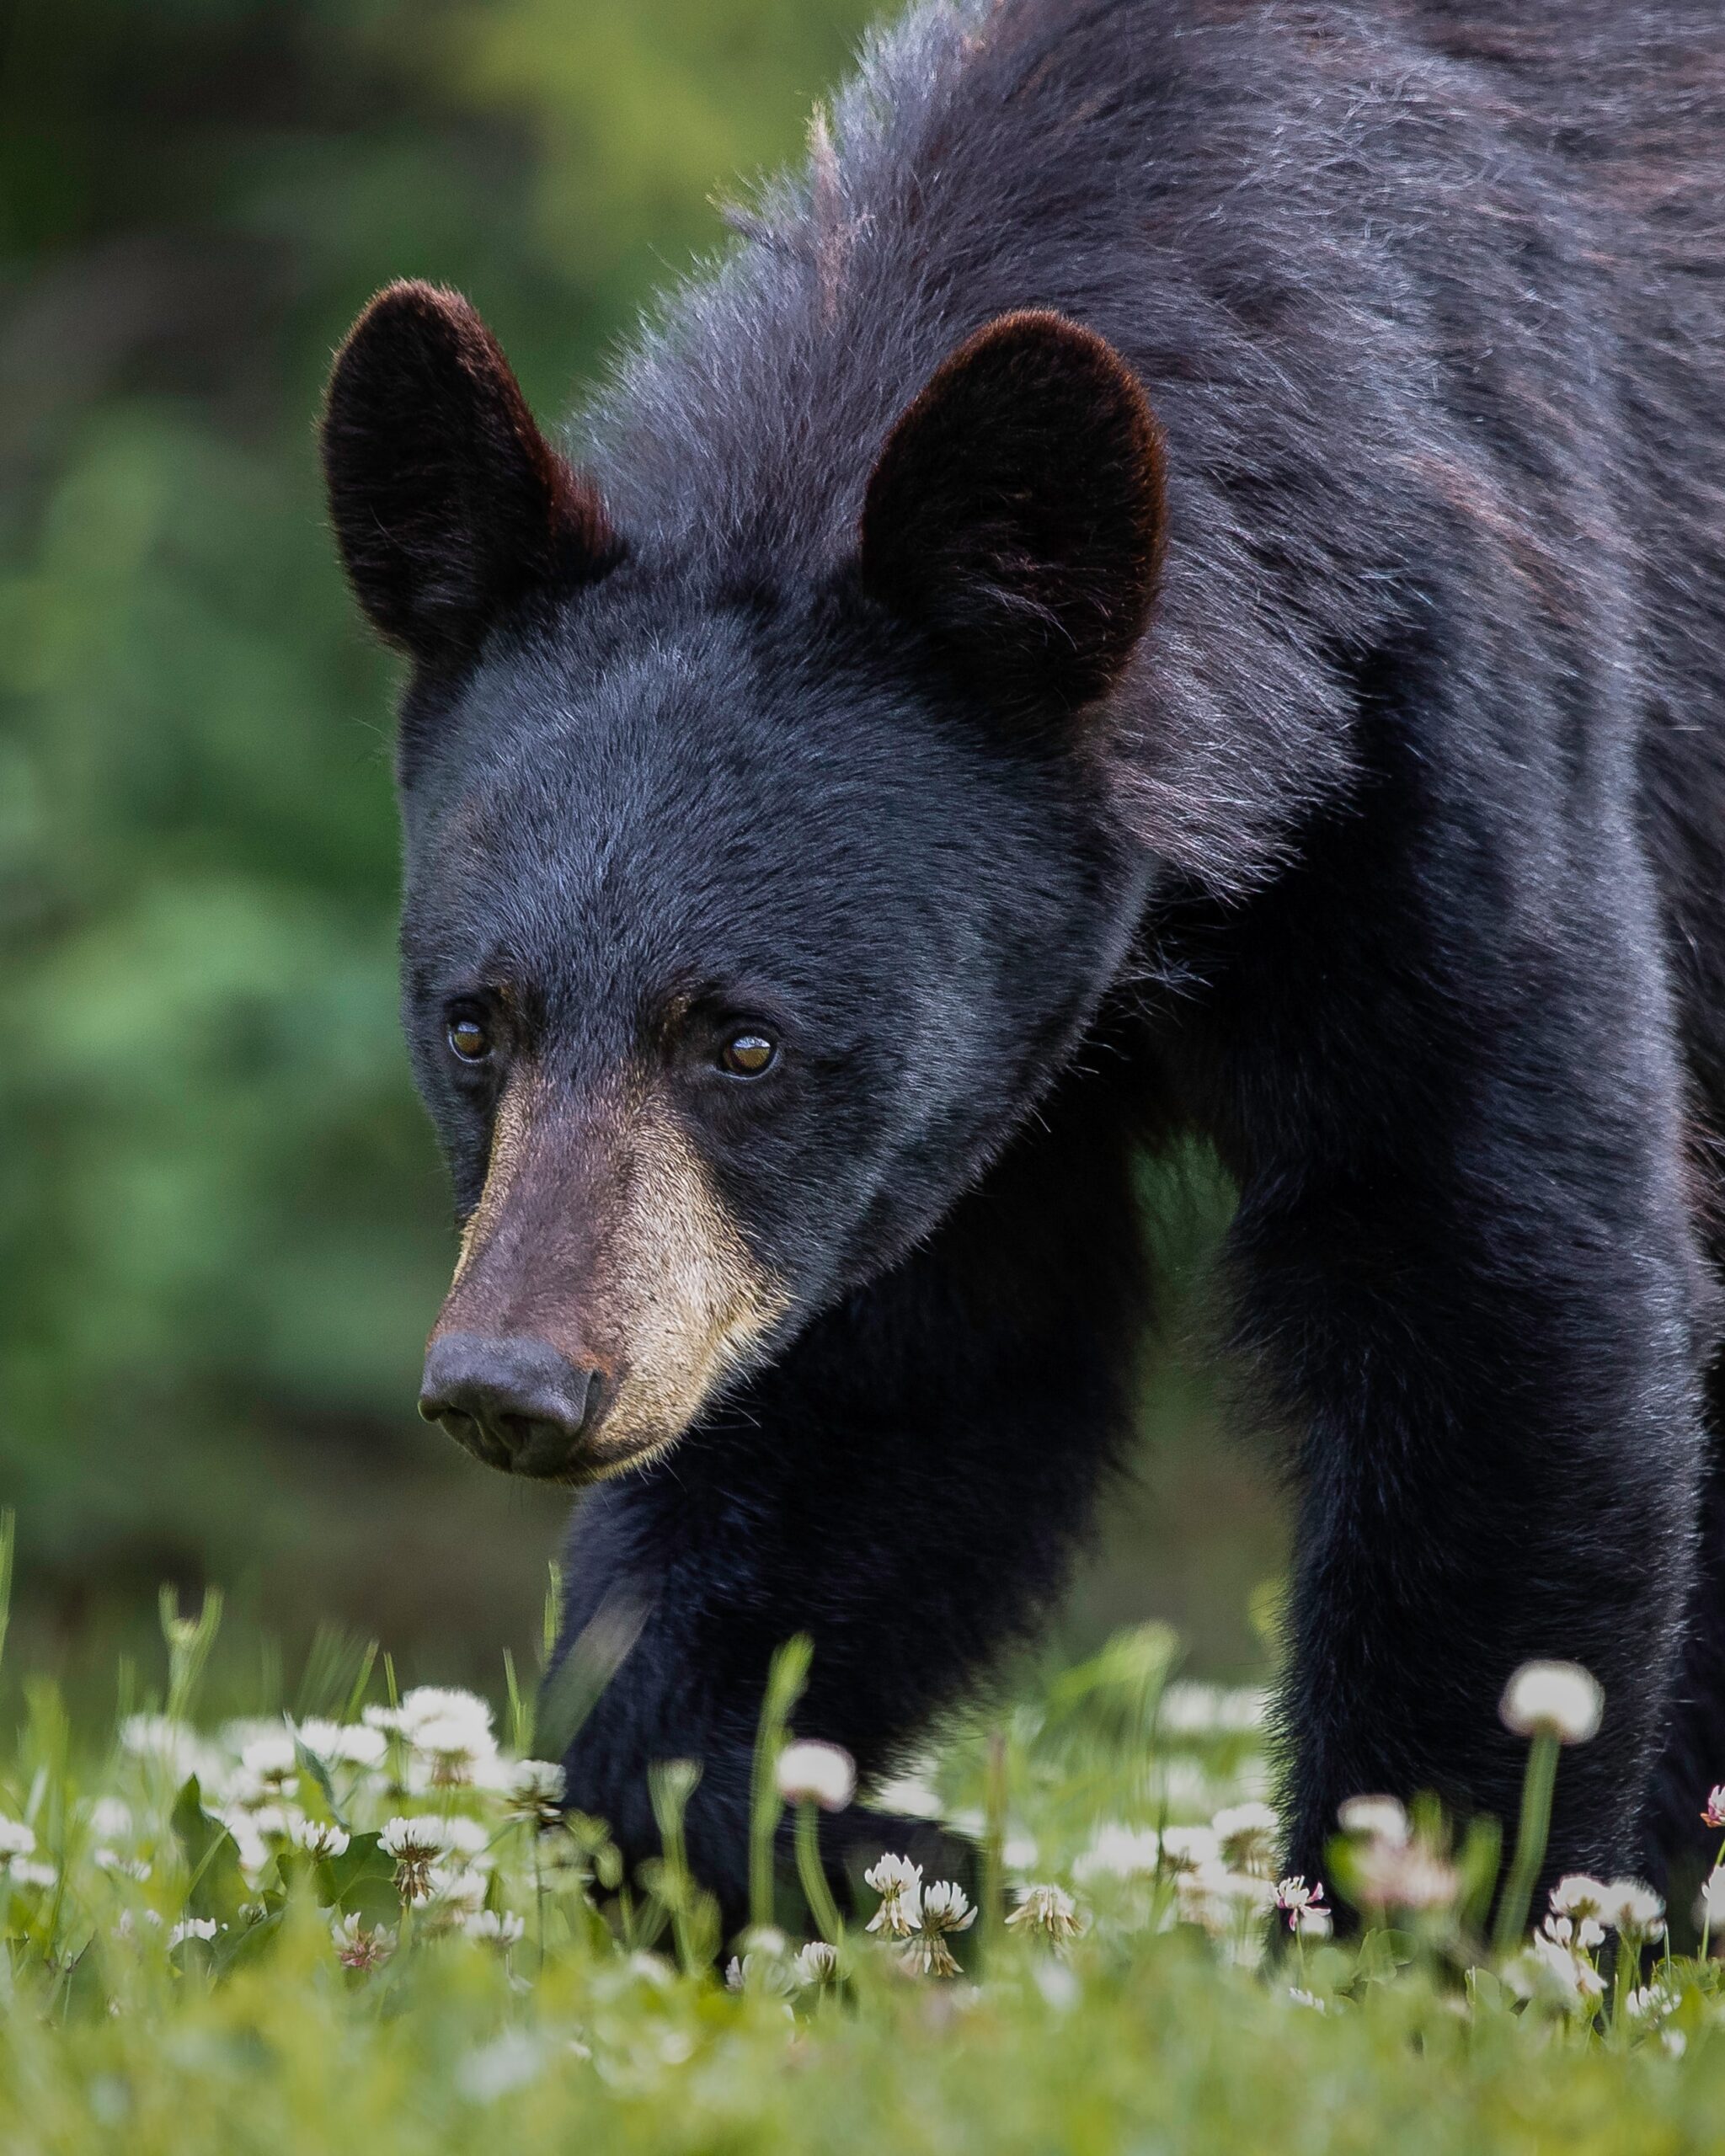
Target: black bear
{"points": [[1173, 583]]}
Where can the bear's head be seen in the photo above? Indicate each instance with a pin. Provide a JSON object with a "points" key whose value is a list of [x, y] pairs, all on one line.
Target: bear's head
{"points": [[745, 918]]}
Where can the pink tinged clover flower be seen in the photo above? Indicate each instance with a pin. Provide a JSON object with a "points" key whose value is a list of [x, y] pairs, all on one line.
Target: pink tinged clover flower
{"points": [[361, 1948], [1302, 1905], [1714, 1815]]}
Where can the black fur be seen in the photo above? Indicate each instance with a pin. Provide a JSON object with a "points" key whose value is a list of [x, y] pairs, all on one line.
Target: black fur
{"points": [[1392, 862]]}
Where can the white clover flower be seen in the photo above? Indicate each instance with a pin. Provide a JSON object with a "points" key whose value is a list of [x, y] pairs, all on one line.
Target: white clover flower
{"points": [[1121, 1853], [357, 1946], [16, 1839], [899, 1883], [534, 1791], [759, 1970], [437, 1717], [453, 1749], [819, 1774], [1710, 1907], [271, 1760], [1584, 1933], [814, 1964], [946, 1908], [912, 1794], [1189, 1709], [415, 1844], [241, 1791], [1633, 1909], [110, 1819], [468, 1843], [496, 1930], [1188, 1849], [344, 1744], [444, 1703], [31, 1871], [320, 1838], [127, 1923], [107, 1859], [244, 1831], [204, 1928], [1652, 2002], [1578, 1894], [163, 1742], [1218, 1898], [1378, 1818], [1055, 1980], [419, 1837], [1046, 1912], [1408, 1875], [1557, 1972], [452, 1895], [1247, 1835], [1553, 1699], [1308, 1998]]}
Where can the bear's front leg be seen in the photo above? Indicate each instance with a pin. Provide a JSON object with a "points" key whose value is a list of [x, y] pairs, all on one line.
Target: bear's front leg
{"points": [[1443, 1071], [906, 1486]]}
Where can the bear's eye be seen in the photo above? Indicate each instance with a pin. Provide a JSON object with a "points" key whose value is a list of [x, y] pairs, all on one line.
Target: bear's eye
{"points": [[468, 1038], [748, 1054]]}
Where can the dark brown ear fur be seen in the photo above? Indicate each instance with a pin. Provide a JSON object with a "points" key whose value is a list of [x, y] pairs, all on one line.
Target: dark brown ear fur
{"points": [[448, 502], [1016, 513]]}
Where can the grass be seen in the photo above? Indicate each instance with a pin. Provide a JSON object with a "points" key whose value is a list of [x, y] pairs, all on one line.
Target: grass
{"points": [[175, 1983]]}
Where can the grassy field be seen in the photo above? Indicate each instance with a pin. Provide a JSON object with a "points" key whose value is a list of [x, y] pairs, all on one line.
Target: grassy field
{"points": [[362, 1925]]}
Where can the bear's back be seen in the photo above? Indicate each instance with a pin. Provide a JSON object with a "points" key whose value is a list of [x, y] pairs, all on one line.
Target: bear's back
{"points": [[1377, 266]]}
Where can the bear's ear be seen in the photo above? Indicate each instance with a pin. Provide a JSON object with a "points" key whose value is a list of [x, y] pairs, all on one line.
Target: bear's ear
{"points": [[448, 502], [1016, 513]]}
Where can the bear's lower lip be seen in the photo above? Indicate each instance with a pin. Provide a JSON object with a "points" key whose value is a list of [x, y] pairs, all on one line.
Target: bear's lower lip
{"points": [[547, 1456], [573, 1465]]}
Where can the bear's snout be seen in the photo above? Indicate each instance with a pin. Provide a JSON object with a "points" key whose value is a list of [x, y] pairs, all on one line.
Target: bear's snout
{"points": [[514, 1401]]}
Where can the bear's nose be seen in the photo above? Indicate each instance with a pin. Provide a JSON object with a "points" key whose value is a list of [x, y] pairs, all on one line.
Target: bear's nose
{"points": [[515, 1402]]}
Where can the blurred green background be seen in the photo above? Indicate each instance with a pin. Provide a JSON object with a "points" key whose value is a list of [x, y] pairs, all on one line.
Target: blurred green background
{"points": [[223, 1231]]}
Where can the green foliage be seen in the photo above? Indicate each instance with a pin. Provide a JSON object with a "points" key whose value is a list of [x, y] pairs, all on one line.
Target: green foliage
{"points": [[223, 1229], [200, 1961]]}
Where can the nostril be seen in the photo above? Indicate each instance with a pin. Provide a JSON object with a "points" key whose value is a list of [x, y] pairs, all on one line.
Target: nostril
{"points": [[514, 1432], [515, 1400]]}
